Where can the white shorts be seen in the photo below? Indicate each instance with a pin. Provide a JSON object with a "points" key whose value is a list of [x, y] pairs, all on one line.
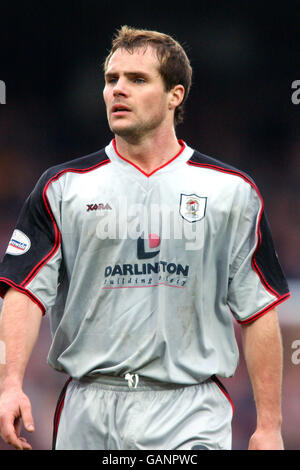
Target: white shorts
{"points": [[105, 414]]}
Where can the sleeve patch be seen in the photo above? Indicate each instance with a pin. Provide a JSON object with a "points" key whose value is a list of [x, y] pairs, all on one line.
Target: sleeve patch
{"points": [[19, 244]]}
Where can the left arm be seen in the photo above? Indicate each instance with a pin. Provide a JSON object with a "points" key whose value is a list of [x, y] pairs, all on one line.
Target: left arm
{"points": [[262, 347]]}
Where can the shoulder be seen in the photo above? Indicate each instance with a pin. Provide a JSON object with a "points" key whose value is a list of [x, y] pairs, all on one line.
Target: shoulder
{"points": [[227, 174], [78, 165], [82, 164], [201, 160]]}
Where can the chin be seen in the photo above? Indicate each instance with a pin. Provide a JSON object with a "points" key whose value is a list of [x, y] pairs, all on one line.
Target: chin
{"points": [[125, 131]]}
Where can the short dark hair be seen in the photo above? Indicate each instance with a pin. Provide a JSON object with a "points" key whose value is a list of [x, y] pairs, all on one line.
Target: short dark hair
{"points": [[175, 67]]}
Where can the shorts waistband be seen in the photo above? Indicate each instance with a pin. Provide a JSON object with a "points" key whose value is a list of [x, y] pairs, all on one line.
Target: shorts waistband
{"points": [[133, 382]]}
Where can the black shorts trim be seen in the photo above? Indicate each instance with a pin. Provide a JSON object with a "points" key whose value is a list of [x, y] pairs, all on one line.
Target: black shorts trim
{"points": [[223, 390], [58, 410]]}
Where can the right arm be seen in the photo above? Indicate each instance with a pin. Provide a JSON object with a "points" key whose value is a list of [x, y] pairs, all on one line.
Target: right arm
{"points": [[20, 322]]}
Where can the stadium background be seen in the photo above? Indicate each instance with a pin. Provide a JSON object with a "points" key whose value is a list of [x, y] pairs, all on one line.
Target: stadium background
{"points": [[245, 57]]}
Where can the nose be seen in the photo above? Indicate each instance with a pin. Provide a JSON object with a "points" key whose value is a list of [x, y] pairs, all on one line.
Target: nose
{"points": [[120, 88]]}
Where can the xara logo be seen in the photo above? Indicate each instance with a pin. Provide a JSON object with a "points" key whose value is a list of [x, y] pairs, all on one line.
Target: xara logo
{"points": [[147, 247], [97, 207]]}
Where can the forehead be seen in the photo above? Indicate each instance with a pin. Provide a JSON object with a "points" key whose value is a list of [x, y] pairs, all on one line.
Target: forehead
{"points": [[143, 58]]}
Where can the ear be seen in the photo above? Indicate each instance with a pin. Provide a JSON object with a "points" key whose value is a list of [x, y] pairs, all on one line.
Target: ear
{"points": [[176, 96]]}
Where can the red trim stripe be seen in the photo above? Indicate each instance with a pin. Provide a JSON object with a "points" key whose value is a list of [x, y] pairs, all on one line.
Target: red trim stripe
{"points": [[265, 310], [154, 171], [14, 246], [24, 291], [225, 170], [136, 287], [58, 414], [258, 232], [223, 390], [57, 242], [58, 411]]}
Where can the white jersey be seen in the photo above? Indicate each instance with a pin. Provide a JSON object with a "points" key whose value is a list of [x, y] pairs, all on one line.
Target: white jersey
{"points": [[144, 273]]}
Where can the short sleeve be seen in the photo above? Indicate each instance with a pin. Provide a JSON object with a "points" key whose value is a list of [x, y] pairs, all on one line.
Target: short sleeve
{"points": [[257, 282], [32, 260]]}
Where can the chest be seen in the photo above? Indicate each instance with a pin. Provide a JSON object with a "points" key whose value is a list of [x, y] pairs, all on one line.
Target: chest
{"points": [[181, 206]]}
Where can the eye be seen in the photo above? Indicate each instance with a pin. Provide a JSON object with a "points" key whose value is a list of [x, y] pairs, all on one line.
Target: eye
{"points": [[139, 80], [111, 79]]}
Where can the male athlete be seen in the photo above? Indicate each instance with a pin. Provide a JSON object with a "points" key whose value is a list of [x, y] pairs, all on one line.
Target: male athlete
{"points": [[143, 253]]}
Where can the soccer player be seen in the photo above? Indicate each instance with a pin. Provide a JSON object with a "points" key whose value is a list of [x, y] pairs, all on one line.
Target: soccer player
{"points": [[143, 253]]}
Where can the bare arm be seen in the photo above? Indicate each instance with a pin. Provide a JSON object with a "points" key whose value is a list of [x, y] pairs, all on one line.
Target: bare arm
{"points": [[263, 354], [19, 327]]}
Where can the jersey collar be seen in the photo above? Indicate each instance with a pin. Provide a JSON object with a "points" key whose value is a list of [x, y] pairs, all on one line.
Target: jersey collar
{"points": [[182, 156]]}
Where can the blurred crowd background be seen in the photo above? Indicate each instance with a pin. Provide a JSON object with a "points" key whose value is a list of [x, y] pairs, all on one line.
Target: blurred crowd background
{"points": [[245, 57]]}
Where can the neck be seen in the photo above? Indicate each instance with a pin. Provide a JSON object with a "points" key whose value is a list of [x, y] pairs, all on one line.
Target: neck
{"points": [[149, 153]]}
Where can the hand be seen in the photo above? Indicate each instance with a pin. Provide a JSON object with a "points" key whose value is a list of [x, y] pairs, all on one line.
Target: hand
{"points": [[269, 439], [14, 407]]}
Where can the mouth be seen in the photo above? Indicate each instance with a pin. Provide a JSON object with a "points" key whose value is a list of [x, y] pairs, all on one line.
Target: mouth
{"points": [[120, 110]]}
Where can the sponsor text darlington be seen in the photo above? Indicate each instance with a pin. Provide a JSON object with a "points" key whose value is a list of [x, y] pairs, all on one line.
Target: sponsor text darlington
{"points": [[146, 273]]}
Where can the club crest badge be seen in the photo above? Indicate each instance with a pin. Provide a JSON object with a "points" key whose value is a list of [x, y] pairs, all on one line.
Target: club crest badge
{"points": [[192, 207]]}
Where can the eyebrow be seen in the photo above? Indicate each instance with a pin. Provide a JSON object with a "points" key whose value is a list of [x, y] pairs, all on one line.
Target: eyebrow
{"points": [[127, 74]]}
